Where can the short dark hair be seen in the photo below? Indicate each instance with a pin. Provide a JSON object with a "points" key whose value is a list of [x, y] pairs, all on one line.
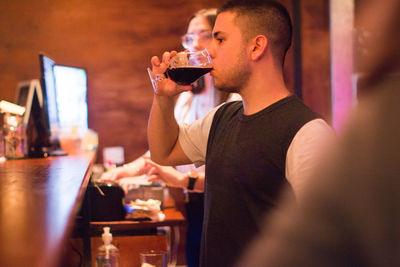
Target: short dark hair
{"points": [[265, 17]]}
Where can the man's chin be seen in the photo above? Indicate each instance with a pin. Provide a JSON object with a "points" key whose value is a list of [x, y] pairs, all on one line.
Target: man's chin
{"points": [[226, 89]]}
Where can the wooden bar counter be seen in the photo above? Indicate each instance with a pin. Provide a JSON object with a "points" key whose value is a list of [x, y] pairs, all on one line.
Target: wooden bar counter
{"points": [[39, 199]]}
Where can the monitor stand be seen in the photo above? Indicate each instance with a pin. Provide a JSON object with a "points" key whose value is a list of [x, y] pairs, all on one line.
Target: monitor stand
{"points": [[57, 153], [55, 148], [46, 152]]}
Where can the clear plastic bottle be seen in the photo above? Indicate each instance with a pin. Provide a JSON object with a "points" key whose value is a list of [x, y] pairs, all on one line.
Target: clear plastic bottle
{"points": [[107, 254]]}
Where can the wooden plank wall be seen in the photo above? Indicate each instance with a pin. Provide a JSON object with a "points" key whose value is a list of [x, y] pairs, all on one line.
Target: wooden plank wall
{"points": [[114, 40], [315, 54]]}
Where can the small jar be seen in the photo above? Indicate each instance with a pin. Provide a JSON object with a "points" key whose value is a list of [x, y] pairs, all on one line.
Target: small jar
{"points": [[14, 133]]}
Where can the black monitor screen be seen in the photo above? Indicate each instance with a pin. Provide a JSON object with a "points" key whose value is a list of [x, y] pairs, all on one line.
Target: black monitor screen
{"points": [[50, 93]]}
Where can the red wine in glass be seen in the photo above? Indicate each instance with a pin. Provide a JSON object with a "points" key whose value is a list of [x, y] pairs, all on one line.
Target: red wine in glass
{"points": [[186, 75]]}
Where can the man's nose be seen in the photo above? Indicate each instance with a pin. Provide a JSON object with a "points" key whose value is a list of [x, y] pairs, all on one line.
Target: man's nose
{"points": [[211, 49]]}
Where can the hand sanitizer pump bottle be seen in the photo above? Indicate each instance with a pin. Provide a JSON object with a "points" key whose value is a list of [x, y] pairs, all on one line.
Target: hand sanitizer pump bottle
{"points": [[107, 254]]}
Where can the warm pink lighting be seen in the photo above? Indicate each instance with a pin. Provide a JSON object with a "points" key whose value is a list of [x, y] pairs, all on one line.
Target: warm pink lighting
{"points": [[343, 96]]}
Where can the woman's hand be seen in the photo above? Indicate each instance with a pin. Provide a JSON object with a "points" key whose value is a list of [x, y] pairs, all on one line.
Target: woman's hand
{"points": [[135, 168], [168, 175]]}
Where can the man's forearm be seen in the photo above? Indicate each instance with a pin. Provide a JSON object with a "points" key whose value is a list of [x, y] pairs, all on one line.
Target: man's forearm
{"points": [[162, 130]]}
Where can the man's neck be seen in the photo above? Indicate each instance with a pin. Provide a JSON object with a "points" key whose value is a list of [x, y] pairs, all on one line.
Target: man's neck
{"points": [[263, 90]]}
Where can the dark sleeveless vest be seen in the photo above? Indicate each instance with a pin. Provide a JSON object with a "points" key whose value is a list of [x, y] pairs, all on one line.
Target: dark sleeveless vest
{"points": [[245, 173]]}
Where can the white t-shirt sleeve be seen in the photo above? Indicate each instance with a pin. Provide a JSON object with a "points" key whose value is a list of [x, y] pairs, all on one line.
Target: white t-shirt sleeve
{"points": [[305, 152], [193, 137]]}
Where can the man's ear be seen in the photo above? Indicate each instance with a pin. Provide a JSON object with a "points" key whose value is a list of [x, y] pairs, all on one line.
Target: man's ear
{"points": [[258, 47]]}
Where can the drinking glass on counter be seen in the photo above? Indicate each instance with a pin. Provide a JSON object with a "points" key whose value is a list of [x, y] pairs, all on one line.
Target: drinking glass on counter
{"points": [[153, 258]]}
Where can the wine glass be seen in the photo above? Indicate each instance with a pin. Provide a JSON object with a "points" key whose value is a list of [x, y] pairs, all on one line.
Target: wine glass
{"points": [[185, 67]]}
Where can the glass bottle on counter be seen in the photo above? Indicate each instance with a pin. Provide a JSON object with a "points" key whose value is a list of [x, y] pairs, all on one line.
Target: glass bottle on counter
{"points": [[107, 255], [14, 134]]}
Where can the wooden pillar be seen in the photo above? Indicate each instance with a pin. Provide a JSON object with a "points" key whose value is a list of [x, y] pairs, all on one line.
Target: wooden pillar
{"points": [[342, 28]]}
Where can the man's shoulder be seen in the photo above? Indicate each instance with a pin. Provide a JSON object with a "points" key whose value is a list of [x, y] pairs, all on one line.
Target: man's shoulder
{"points": [[228, 109], [225, 112], [291, 114], [298, 108], [231, 106]]}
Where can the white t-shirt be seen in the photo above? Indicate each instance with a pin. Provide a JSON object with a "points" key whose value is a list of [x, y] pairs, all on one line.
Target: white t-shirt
{"points": [[304, 152]]}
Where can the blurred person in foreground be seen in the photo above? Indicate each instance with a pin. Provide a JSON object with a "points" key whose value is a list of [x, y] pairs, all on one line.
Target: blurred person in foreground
{"points": [[190, 106], [350, 215], [252, 149]]}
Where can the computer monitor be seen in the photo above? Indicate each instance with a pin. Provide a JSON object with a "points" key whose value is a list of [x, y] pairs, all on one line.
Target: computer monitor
{"points": [[56, 103], [50, 94], [71, 91], [30, 95], [26, 94]]}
